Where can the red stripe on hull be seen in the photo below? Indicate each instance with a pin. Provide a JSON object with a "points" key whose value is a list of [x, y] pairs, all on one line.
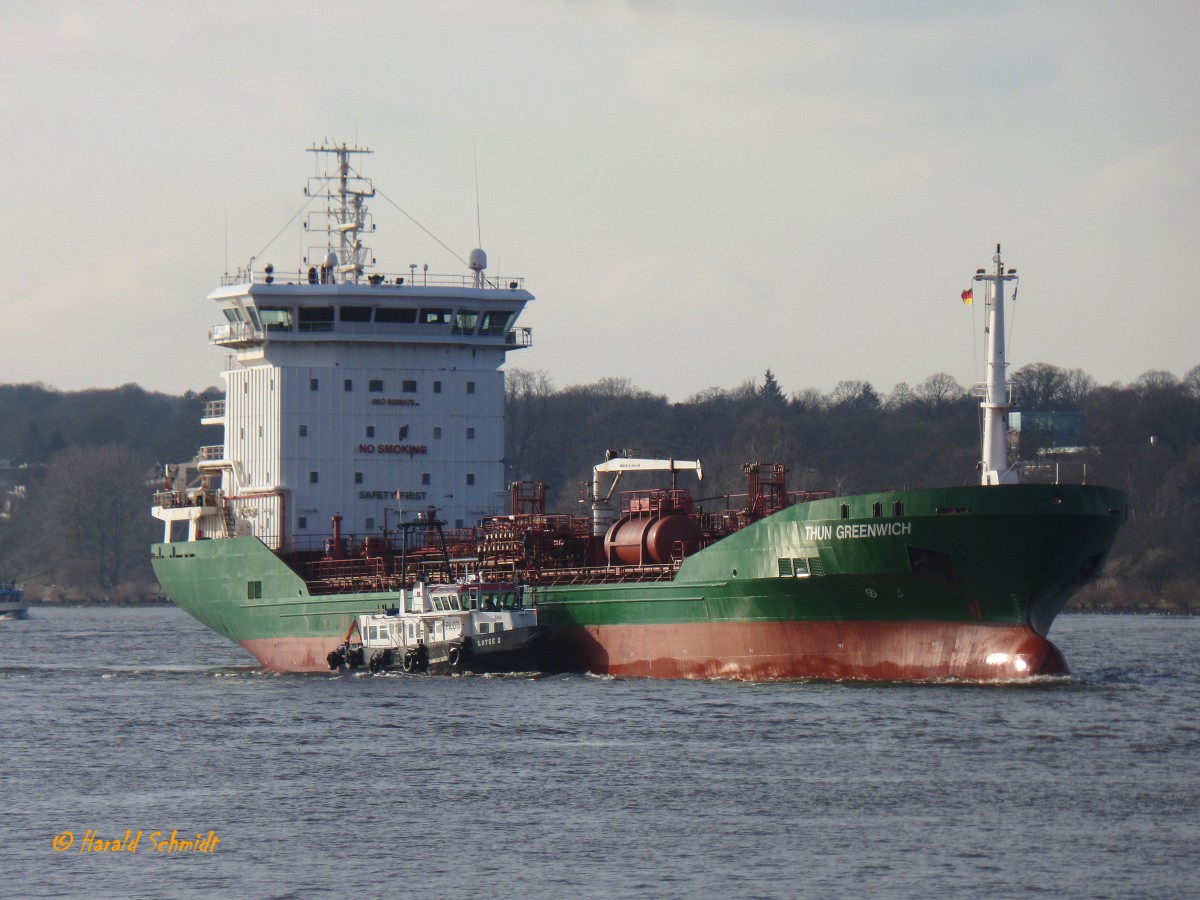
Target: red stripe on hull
{"points": [[763, 651], [772, 651]]}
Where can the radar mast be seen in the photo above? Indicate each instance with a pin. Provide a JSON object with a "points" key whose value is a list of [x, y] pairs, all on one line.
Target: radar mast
{"points": [[343, 221]]}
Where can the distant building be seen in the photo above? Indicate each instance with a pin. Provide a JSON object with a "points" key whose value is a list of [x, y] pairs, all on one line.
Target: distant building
{"points": [[1046, 446], [12, 488]]}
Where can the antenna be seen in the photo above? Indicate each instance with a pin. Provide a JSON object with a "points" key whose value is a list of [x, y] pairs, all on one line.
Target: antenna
{"points": [[478, 221]]}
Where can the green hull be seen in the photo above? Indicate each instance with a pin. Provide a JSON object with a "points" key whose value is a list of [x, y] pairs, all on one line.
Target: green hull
{"points": [[913, 584]]}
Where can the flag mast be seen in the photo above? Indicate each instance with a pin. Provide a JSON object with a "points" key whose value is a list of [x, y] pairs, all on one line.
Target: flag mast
{"points": [[996, 402]]}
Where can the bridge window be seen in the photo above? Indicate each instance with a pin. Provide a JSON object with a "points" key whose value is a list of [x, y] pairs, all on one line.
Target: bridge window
{"points": [[392, 315], [316, 318], [276, 318], [431, 316], [465, 321], [495, 324], [355, 314]]}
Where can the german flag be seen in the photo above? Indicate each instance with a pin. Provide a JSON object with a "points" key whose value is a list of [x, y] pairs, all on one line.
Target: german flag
{"points": [[968, 296]]}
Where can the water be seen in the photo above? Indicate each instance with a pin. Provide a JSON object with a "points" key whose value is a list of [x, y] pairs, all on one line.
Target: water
{"points": [[340, 786]]}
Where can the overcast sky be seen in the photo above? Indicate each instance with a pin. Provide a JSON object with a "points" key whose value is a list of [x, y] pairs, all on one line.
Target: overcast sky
{"points": [[694, 191]]}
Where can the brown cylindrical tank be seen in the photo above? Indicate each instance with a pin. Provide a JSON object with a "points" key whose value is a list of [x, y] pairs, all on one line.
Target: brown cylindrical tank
{"points": [[650, 540]]}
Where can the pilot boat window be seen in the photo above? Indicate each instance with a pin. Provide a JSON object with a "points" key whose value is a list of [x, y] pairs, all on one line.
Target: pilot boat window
{"points": [[499, 626], [485, 627]]}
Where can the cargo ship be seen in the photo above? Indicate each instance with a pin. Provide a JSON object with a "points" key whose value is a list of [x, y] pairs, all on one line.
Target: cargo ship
{"points": [[365, 411]]}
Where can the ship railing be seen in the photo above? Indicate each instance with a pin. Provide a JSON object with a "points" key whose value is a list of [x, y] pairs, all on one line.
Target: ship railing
{"points": [[233, 331], [520, 337], [376, 279], [809, 496], [555, 523], [1072, 471], [604, 574], [177, 499], [979, 391], [211, 452], [213, 409]]}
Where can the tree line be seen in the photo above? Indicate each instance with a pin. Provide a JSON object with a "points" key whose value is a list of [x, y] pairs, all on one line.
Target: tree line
{"points": [[1143, 438], [87, 461]]}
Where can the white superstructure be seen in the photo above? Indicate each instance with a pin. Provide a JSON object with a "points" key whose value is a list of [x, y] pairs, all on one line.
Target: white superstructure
{"points": [[366, 396]]}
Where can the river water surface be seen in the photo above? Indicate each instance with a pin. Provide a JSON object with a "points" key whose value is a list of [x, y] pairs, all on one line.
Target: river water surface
{"points": [[119, 720]]}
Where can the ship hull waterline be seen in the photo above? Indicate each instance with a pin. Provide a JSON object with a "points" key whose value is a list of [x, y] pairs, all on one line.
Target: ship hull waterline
{"points": [[873, 651]]}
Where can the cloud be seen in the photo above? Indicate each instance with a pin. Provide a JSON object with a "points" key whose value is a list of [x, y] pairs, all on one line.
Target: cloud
{"points": [[1172, 166]]}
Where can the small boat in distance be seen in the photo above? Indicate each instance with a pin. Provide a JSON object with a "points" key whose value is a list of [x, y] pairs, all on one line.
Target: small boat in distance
{"points": [[13, 604]]}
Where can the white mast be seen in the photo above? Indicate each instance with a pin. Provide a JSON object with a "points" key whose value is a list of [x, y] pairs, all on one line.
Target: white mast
{"points": [[345, 216], [995, 405]]}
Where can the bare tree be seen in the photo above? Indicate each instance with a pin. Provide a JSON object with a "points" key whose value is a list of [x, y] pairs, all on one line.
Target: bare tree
{"points": [[939, 391], [526, 397], [1191, 382], [94, 513], [1041, 385]]}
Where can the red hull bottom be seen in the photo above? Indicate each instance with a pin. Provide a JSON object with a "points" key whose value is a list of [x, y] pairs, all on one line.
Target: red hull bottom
{"points": [[299, 654], [774, 651], [764, 651]]}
